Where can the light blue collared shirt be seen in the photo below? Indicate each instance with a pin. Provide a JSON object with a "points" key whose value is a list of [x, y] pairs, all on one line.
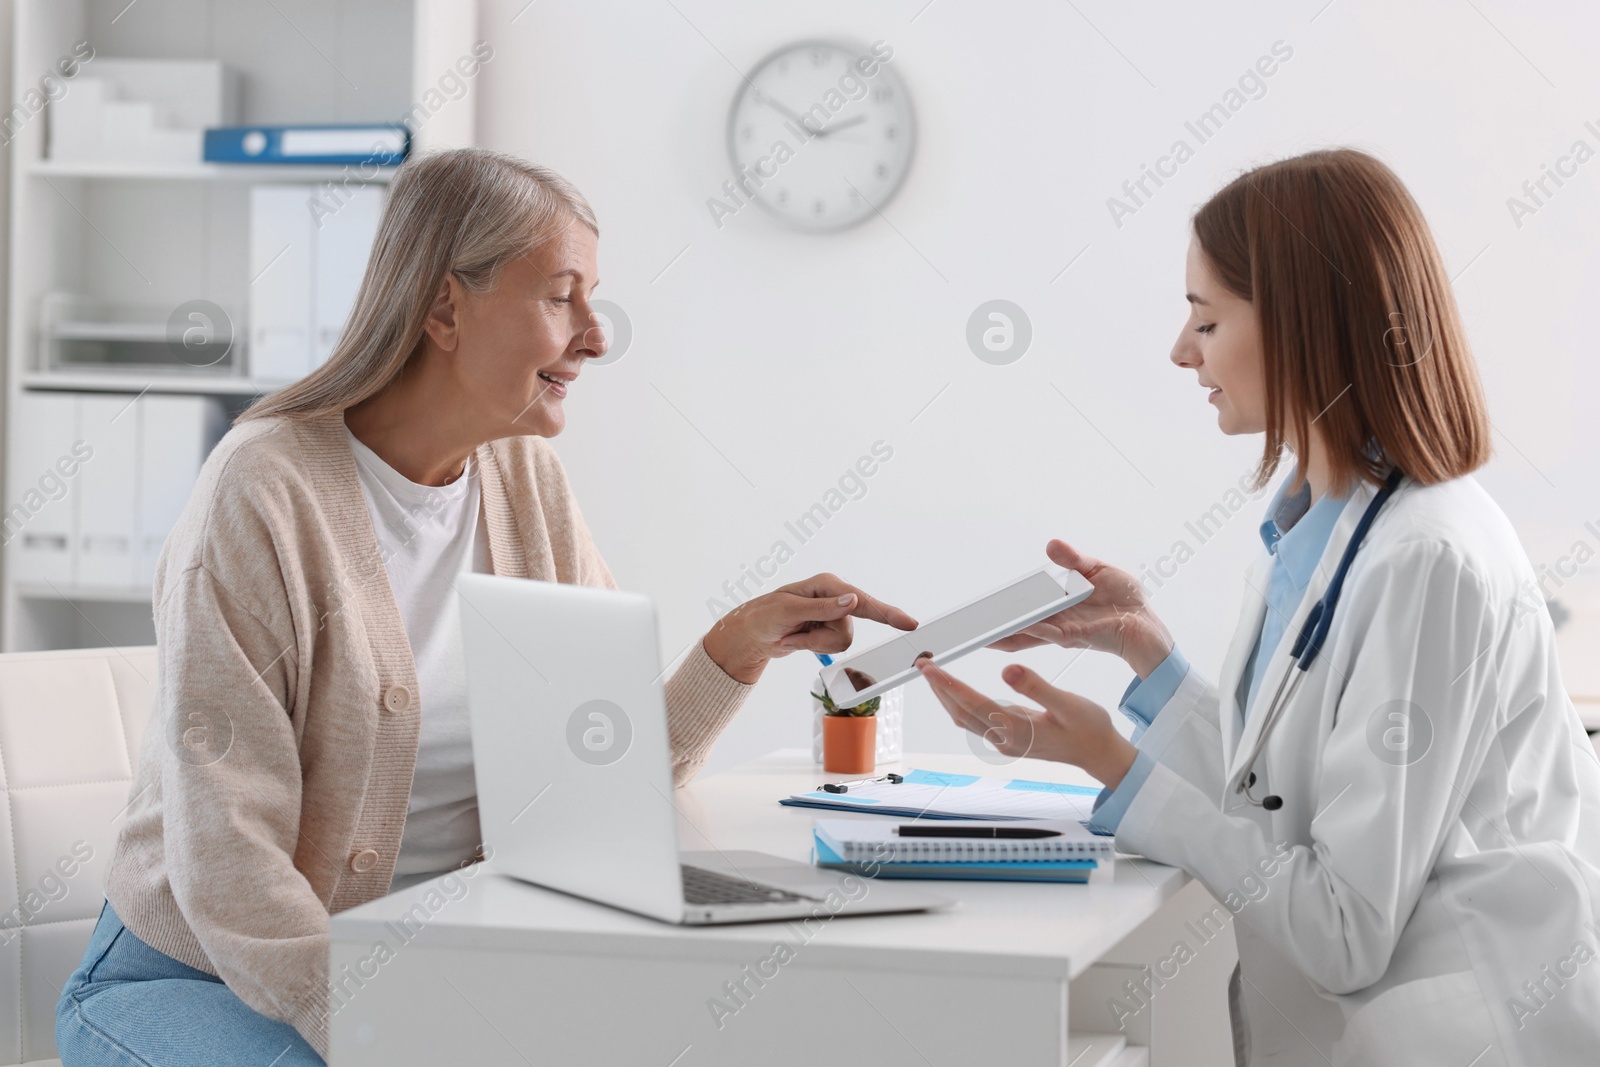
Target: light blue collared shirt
{"points": [[1296, 535]]}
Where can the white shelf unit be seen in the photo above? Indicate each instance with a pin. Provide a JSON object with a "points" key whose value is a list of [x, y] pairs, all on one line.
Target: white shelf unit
{"points": [[114, 382], [234, 172], [160, 235]]}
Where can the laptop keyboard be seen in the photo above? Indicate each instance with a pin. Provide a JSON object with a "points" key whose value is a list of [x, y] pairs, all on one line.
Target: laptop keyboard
{"points": [[701, 886]]}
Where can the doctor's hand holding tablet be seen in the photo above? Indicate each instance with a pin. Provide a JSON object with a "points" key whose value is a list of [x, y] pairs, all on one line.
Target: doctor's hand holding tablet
{"points": [[1067, 728], [1117, 619]]}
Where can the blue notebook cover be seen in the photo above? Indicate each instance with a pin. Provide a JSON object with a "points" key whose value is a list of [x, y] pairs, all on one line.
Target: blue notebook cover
{"points": [[1034, 871]]}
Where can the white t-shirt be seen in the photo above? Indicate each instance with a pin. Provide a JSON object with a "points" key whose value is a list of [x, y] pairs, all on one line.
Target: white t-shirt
{"points": [[427, 535]]}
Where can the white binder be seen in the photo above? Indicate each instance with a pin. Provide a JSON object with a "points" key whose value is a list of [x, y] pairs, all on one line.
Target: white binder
{"points": [[176, 433], [343, 245], [105, 490], [309, 247], [281, 256], [42, 489]]}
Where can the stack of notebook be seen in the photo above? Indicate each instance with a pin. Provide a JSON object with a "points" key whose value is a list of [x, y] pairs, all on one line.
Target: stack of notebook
{"points": [[1029, 850]]}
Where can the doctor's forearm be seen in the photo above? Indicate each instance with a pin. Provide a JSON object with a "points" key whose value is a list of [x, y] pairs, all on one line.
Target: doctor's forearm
{"points": [[1146, 643]]}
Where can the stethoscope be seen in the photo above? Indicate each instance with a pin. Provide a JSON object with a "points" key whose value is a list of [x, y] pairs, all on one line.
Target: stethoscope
{"points": [[1313, 632]]}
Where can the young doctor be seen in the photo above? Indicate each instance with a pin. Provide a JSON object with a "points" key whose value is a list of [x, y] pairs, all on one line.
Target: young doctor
{"points": [[1389, 748]]}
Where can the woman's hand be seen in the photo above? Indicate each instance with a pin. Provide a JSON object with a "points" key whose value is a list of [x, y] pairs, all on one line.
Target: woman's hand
{"points": [[812, 614], [1116, 618], [1069, 729]]}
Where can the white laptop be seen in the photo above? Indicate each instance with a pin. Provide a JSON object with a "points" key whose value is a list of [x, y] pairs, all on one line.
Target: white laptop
{"points": [[574, 772]]}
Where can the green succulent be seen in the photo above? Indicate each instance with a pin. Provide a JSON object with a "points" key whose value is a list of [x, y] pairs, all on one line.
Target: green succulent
{"points": [[860, 710]]}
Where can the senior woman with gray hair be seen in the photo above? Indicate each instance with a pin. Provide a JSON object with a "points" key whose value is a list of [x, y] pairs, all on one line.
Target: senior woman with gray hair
{"points": [[309, 749]]}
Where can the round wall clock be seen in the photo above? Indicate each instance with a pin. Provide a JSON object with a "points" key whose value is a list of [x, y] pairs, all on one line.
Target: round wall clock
{"points": [[821, 134]]}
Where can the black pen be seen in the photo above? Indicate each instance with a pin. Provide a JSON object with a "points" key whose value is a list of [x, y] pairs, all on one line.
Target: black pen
{"points": [[844, 787], [975, 831]]}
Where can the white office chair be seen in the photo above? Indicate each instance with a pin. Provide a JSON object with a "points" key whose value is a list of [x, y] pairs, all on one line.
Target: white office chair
{"points": [[70, 729]]}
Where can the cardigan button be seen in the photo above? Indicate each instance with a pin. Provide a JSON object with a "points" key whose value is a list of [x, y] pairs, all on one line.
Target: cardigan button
{"points": [[397, 698], [363, 861]]}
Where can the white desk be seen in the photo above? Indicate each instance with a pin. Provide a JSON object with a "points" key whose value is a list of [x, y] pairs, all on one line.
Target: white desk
{"points": [[497, 971]]}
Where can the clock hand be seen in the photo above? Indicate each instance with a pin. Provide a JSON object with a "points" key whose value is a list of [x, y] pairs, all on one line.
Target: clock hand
{"points": [[824, 131], [835, 127], [765, 99]]}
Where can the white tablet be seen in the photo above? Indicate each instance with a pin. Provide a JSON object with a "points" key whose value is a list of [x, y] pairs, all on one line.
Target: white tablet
{"points": [[1014, 606]]}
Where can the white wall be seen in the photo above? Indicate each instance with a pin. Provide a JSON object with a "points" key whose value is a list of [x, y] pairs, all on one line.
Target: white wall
{"points": [[6, 48], [766, 361]]}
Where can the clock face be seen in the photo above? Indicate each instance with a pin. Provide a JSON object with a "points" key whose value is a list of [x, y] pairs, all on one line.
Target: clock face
{"points": [[821, 134]]}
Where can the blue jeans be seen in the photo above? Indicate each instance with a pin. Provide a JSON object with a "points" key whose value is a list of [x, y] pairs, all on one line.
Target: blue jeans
{"points": [[128, 1005]]}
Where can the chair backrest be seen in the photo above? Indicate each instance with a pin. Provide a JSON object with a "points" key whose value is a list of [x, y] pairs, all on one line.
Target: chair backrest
{"points": [[70, 728]]}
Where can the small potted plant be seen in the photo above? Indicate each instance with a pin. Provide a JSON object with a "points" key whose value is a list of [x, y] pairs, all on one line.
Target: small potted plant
{"points": [[849, 735]]}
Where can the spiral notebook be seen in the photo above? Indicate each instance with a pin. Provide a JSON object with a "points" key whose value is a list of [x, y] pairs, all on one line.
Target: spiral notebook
{"points": [[879, 841], [1074, 871]]}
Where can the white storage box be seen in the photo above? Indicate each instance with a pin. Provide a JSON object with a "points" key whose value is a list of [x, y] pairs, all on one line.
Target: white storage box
{"points": [[142, 110]]}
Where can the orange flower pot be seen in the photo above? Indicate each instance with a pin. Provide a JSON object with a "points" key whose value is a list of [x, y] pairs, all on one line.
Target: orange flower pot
{"points": [[849, 743]]}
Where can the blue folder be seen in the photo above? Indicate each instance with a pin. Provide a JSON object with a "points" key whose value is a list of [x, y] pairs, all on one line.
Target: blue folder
{"points": [[377, 143]]}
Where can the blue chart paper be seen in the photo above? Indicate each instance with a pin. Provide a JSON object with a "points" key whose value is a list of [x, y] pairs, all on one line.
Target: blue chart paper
{"points": [[932, 795], [940, 778]]}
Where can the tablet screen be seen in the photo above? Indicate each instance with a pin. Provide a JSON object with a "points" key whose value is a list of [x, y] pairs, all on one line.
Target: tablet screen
{"points": [[960, 626]]}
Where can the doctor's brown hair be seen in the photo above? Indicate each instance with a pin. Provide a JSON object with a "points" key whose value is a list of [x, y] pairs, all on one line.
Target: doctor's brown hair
{"points": [[1359, 328]]}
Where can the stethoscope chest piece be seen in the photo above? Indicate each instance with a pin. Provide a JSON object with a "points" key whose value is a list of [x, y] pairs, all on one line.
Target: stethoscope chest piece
{"points": [[1271, 802]]}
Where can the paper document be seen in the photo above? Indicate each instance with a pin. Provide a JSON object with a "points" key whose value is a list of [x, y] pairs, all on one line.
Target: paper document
{"points": [[935, 795]]}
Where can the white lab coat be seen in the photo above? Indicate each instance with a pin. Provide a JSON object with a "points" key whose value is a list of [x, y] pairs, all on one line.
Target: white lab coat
{"points": [[1421, 868]]}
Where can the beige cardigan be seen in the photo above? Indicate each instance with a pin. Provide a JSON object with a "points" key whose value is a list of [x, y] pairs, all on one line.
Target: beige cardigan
{"points": [[274, 777]]}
